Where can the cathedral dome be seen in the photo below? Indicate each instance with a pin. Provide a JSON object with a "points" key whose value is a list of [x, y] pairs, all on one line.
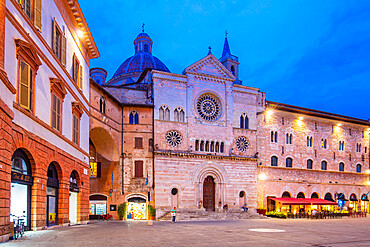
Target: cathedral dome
{"points": [[142, 59]]}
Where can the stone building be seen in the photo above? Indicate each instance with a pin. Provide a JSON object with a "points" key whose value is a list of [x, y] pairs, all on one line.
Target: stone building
{"points": [[217, 141], [44, 113], [306, 153]]}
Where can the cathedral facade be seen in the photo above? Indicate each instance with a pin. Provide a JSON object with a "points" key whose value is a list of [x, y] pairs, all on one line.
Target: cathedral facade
{"points": [[210, 141]]}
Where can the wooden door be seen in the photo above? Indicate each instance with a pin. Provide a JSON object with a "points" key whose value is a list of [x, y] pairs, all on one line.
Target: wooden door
{"points": [[209, 194]]}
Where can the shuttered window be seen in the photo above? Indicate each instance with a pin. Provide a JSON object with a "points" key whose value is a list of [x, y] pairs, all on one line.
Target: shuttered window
{"points": [[77, 72], [76, 130], [25, 85], [138, 142], [38, 13], [56, 112], [26, 6], [139, 169], [59, 43]]}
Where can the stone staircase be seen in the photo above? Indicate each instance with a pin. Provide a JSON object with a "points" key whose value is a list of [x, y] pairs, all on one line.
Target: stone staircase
{"points": [[201, 215]]}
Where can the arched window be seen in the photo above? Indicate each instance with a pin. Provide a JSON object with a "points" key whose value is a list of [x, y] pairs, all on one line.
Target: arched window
{"points": [[289, 162], [222, 147], [244, 121], [134, 118], [196, 145], [328, 197], [217, 147], [301, 195], [341, 167], [323, 143], [212, 146], [102, 105], [207, 146], [315, 195], [146, 48], [358, 168], [324, 165], [52, 196], [309, 141], [274, 161], [164, 113], [202, 146], [309, 164], [274, 136], [179, 115], [286, 194], [233, 69]]}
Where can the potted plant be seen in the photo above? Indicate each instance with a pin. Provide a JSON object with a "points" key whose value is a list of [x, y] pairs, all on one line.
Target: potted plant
{"points": [[122, 208], [152, 212]]}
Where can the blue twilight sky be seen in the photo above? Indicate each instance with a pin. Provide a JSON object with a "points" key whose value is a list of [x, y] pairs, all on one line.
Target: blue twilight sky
{"points": [[314, 54]]}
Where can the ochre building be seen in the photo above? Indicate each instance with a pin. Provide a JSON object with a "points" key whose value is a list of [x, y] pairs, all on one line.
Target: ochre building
{"points": [[45, 52]]}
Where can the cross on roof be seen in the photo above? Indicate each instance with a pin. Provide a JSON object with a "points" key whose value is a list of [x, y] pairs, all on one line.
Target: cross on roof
{"points": [[143, 26]]}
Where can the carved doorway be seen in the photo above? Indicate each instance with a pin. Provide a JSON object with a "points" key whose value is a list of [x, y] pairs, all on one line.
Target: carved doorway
{"points": [[209, 194]]}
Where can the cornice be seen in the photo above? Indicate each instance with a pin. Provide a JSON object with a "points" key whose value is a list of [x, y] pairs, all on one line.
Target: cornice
{"points": [[186, 154], [7, 83]]}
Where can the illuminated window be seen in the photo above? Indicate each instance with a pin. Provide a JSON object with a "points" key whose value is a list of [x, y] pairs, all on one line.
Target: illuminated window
{"points": [[95, 169], [341, 145], [323, 143], [274, 136], [309, 141]]}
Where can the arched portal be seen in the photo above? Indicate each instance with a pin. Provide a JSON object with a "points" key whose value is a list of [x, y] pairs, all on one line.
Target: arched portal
{"points": [[301, 195], [329, 197], [104, 144], [209, 193], [52, 195], [286, 194], [21, 182], [137, 206], [73, 197], [315, 195]]}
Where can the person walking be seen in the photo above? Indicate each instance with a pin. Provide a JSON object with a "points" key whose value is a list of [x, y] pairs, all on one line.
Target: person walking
{"points": [[173, 214]]}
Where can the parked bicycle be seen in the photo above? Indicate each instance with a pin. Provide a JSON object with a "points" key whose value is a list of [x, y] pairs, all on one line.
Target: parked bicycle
{"points": [[18, 226]]}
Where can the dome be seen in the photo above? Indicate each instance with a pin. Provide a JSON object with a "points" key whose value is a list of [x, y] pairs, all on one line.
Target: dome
{"points": [[142, 59], [139, 62]]}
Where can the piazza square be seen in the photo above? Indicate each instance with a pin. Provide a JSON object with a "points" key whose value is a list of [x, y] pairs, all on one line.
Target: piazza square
{"points": [[111, 130]]}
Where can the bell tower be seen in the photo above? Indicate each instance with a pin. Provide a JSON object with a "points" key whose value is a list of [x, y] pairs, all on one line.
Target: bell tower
{"points": [[230, 61]]}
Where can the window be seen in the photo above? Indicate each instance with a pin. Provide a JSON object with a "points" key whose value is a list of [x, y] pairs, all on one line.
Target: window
{"points": [[309, 141], [289, 162], [324, 165], [146, 48], [289, 138], [34, 15], [202, 146], [76, 113], [358, 168], [25, 85], [358, 147], [76, 130], [138, 142], [274, 136], [341, 145], [282, 121], [179, 115], [164, 113], [222, 147], [77, 73], [244, 121], [309, 164], [134, 118], [56, 113], [341, 167], [233, 69], [59, 43], [365, 150], [150, 144], [139, 169], [102, 105], [274, 161], [323, 143]]}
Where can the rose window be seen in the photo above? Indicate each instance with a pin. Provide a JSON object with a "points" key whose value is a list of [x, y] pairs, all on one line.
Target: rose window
{"points": [[209, 107], [242, 143], [173, 138]]}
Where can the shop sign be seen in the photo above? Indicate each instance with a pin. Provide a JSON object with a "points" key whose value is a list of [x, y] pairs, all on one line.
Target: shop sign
{"points": [[22, 178], [73, 187]]}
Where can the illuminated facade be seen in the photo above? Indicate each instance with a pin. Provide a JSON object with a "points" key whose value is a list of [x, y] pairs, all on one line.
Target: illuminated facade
{"points": [[44, 113]]}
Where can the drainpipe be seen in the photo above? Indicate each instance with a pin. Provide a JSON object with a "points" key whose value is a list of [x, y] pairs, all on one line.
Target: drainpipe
{"points": [[122, 154]]}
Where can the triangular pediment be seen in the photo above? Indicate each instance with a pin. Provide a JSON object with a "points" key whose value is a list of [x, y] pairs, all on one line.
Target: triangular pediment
{"points": [[210, 65], [28, 52]]}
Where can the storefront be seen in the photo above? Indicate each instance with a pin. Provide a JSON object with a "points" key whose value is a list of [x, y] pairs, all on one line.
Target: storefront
{"points": [[73, 198], [299, 205], [364, 203], [21, 182], [353, 203], [136, 209], [52, 195], [98, 206]]}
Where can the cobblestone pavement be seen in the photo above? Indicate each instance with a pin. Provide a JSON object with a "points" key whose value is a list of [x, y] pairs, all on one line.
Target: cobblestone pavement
{"points": [[256, 232]]}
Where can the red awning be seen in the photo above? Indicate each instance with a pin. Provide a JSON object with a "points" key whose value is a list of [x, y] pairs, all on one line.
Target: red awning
{"points": [[302, 201]]}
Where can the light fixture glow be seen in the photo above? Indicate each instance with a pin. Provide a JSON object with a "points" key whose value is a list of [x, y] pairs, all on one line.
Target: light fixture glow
{"points": [[80, 33], [300, 118], [368, 183], [339, 124], [262, 176], [269, 113]]}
